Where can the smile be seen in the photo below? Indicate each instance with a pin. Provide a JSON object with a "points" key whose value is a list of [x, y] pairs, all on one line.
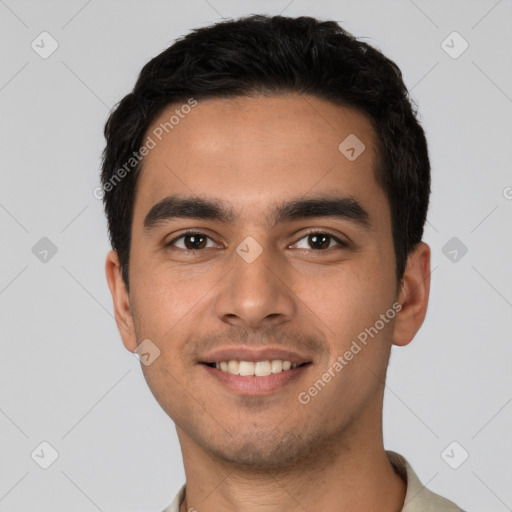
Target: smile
{"points": [[250, 368], [255, 377]]}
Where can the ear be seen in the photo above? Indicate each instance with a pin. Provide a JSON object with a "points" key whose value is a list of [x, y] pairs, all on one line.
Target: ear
{"points": [[413, 295], [121, 299]]}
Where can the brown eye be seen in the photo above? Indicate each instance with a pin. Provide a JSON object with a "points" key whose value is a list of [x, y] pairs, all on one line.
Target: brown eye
{"points": [[192, 241], [320, 241]]}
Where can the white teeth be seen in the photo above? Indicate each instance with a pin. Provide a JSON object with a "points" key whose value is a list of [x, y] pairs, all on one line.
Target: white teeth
{"points": [[277, 365], [262, 368], [246, 368], [234, 367], [258, 368]]}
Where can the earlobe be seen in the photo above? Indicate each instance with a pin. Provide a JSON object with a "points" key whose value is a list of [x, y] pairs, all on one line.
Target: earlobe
{"points": [[121, 300], [413, 295]]}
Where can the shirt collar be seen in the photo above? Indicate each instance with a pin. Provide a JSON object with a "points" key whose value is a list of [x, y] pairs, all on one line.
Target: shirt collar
{"points": [[417, 499]]}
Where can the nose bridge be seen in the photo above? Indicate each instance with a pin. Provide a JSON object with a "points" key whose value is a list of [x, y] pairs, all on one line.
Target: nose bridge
{"points": [[254, 291]]}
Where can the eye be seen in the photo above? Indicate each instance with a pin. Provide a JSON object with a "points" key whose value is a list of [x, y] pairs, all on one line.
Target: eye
{"points": [[315, 240], [192, 241], [320, 240]]}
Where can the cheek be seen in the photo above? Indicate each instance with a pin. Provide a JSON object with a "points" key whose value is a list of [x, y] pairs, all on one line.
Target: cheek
{"points": [[348, 299], [163, 296]]}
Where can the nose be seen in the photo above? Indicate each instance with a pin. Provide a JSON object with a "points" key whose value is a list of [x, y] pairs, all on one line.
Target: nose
{"points": [[256, 294]]}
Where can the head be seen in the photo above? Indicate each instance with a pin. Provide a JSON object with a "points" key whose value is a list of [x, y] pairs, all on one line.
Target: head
{"points": [[250, 134]]}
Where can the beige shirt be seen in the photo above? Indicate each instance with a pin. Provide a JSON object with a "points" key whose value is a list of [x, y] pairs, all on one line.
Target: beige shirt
{"points": [[417, 499]]}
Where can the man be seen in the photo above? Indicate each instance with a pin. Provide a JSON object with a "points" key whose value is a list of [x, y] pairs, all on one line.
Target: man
{"points": [[266, 186]]}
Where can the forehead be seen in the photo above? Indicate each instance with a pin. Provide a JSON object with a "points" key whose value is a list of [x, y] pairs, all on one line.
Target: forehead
{"points": [[257, 151]]}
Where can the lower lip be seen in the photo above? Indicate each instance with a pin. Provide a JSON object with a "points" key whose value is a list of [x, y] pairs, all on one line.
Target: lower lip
{"points": [[253, 385]]}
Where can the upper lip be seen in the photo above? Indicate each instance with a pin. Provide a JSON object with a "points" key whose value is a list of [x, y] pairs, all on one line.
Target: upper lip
{"points": [[253, 354]]}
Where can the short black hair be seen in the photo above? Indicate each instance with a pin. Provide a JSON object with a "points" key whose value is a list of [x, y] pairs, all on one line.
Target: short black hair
{"points": [[272, 55]]}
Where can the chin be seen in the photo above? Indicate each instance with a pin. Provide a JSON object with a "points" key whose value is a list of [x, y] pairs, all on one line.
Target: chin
{"points": [[262, 453]]}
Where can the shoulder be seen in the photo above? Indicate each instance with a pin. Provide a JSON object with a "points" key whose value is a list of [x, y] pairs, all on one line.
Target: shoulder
{"points": [[418, 498], [176, 502]]}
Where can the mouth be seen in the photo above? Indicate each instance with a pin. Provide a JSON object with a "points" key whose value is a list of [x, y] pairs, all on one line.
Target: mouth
{"points": [[255, 377], [255, 368]]}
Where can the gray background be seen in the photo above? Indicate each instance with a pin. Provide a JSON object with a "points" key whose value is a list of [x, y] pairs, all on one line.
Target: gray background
{"points": [[65, 376]]}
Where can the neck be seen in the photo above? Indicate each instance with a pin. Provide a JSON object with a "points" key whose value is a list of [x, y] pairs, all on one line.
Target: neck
{"points": [[356, 477]]}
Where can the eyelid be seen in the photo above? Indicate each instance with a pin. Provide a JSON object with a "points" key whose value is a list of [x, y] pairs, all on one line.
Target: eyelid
{"points": [[343, 242], [188, 232]]}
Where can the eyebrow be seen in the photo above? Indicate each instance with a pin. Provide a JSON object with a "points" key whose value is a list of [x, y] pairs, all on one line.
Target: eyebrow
{"points": [[192, 207]]}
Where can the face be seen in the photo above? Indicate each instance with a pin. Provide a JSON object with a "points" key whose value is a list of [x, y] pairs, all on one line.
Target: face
{"points": [[289, 256]]}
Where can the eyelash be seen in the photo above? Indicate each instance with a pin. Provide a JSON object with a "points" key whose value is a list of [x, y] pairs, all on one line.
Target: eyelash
{"points": [[342, 243]]}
